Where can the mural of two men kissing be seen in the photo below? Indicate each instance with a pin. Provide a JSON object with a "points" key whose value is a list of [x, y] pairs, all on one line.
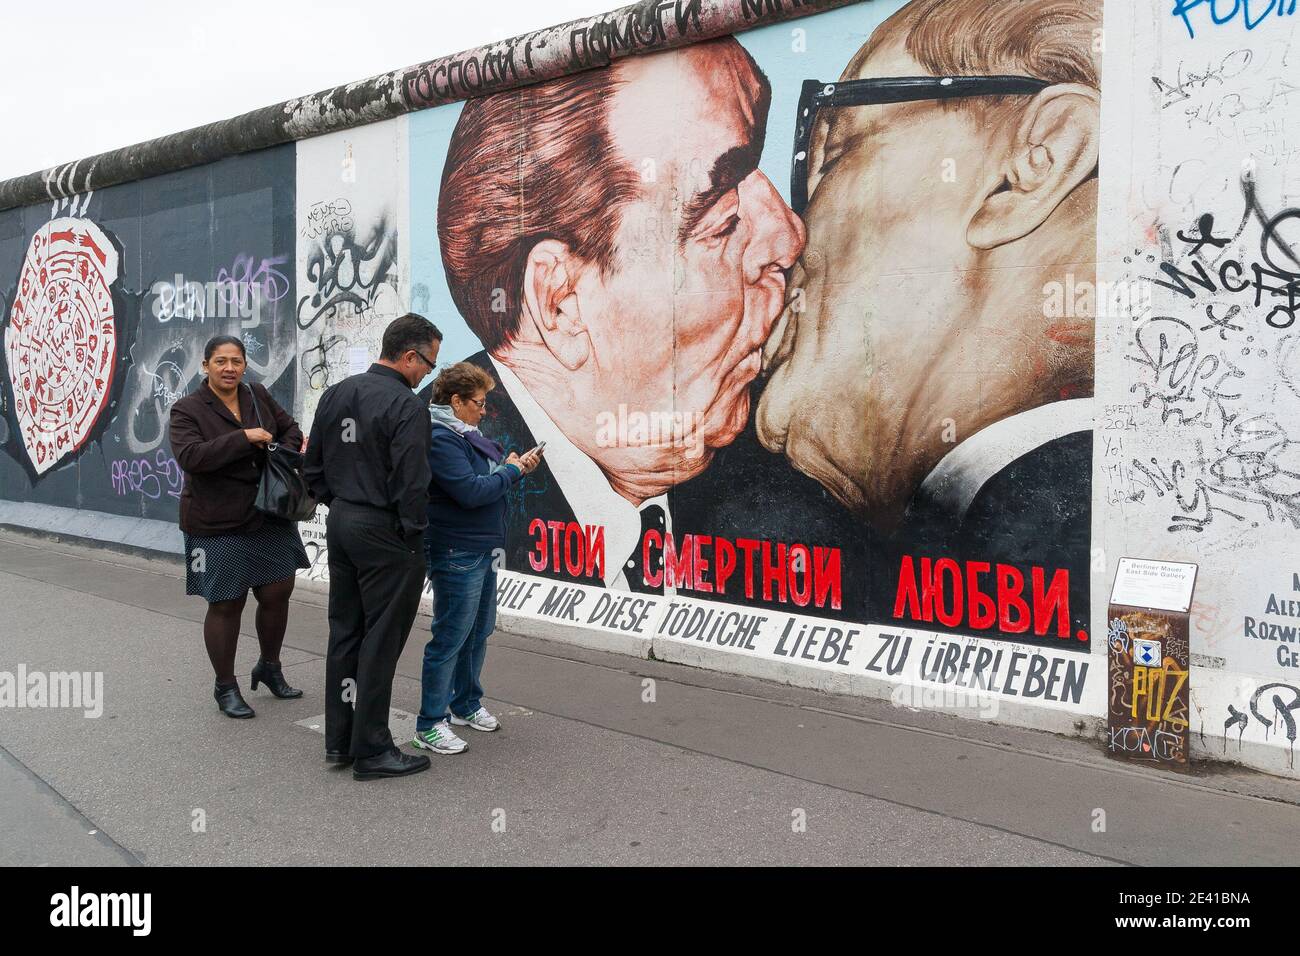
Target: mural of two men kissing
{"points": [[784, 311]]}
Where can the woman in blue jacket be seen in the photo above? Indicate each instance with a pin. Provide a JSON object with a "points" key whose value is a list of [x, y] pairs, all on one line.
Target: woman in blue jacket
{"points": [[467, 529]]}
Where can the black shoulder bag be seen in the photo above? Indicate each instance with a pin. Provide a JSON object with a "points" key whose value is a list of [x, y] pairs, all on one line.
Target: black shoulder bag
{"points": [[282, 492]]}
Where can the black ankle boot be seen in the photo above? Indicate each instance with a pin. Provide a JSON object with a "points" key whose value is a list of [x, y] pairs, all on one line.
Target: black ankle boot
{"points": [[231, 701], [273, 678]]}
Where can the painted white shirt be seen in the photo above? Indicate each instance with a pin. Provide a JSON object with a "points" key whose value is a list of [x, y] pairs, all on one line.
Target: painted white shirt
{"points": [[959, 476], [584, 485]]}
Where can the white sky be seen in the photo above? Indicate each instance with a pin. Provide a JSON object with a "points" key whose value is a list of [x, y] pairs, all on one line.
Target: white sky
{"points": [[79, 77]]}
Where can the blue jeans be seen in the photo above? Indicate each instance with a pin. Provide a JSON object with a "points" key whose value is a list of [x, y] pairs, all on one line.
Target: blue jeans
{"points": [[464, 614]]}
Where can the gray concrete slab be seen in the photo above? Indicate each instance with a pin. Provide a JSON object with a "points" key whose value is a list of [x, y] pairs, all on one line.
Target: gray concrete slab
{"points": [[716, 769], [40, 828], [93, 526]]}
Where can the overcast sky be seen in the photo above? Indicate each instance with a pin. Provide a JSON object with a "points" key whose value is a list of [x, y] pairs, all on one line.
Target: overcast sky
{"points": [[79, 77]]}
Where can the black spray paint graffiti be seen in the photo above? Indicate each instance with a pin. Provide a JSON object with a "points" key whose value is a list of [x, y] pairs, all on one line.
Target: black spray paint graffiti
{"points": [[347, 274], [1255, 470], [1231, 272], [1170, 355], [316, 360], [334, 216], [642, 29], [649, 25], [170, 377], [1196, 385], [318, 556], [1283, 714], [1254, 464], [1188, 82]]}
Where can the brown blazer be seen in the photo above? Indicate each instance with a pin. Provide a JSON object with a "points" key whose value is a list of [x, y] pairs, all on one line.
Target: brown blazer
{"points": [[222, 470]]}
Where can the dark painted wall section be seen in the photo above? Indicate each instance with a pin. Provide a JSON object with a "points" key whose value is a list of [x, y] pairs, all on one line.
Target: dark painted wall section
{"points": [[200, 252]]}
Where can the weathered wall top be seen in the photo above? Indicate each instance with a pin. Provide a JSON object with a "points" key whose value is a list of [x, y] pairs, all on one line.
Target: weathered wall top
{"points": [[642, 27]]}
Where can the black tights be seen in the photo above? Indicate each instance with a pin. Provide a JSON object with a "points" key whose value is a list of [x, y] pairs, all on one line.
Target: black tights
{"points": [[221, 626]]}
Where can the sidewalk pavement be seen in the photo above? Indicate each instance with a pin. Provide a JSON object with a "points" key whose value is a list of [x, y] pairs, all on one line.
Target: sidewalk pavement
{"points": [[716, 769]]}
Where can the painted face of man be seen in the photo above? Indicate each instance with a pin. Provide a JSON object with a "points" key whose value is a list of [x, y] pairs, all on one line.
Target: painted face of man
{"points": [[699, 278], [915, 315]]}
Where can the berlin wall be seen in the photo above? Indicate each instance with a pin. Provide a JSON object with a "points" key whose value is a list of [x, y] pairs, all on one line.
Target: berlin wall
{"points": [[865, 338]]}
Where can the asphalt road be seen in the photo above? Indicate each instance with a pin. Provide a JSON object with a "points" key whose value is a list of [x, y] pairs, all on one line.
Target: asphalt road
{"points": [[586, 770]]}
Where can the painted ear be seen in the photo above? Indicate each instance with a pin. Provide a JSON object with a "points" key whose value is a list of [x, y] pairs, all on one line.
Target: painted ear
{"points": [[1054, 151], [551, 302]]}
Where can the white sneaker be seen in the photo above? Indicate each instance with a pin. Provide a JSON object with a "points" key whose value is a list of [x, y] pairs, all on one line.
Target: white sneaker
{"points": [[479, 720], [441, 739]]}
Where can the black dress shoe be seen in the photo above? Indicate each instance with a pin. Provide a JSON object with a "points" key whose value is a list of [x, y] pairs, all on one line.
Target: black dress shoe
{"points": [[393, 763], [335, 756], [272, 676], [231, 701]]}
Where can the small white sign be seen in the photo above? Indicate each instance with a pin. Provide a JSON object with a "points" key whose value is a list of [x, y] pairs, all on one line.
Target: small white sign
{"points": [[1161, 585], [1147, 653], [358, 360]]}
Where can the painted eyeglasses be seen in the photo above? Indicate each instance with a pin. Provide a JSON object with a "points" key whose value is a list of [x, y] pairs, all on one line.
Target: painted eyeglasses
{"points": [[816, 95]]}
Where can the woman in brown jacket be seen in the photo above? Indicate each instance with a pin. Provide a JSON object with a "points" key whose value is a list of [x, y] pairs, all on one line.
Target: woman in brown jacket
{"points": [[219, 433]]}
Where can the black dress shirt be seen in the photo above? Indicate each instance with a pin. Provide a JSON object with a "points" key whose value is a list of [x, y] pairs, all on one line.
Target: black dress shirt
{"points": [[370, 445]]}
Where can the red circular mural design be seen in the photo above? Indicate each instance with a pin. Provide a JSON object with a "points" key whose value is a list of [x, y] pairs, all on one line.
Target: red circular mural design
{"points": [[61, 339]]}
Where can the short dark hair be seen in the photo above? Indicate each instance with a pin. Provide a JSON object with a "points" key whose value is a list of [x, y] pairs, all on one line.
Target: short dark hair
{"points": [[463, 379], [411, 331], [217, 341]]}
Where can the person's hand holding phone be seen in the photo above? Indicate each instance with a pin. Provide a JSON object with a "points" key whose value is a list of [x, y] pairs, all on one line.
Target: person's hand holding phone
{"points": [[513, 459], [529, 460], [534, 456]]}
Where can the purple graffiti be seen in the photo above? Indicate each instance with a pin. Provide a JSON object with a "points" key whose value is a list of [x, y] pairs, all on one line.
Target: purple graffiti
{"points": [[152, 479], [248, 280]]}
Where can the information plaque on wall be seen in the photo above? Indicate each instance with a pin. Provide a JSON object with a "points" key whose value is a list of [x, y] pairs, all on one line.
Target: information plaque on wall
{"points": [[1148, 636]]}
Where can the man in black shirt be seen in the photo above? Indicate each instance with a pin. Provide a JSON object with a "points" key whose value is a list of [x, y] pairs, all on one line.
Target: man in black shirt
{"points": [[368, 460]]}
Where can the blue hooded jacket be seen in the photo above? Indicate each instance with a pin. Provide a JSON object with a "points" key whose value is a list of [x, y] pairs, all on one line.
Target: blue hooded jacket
{"points": [[467, 496]]}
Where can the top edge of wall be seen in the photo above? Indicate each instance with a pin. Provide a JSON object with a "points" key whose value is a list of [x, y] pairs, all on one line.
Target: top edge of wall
{"points": [[588, 43]]}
